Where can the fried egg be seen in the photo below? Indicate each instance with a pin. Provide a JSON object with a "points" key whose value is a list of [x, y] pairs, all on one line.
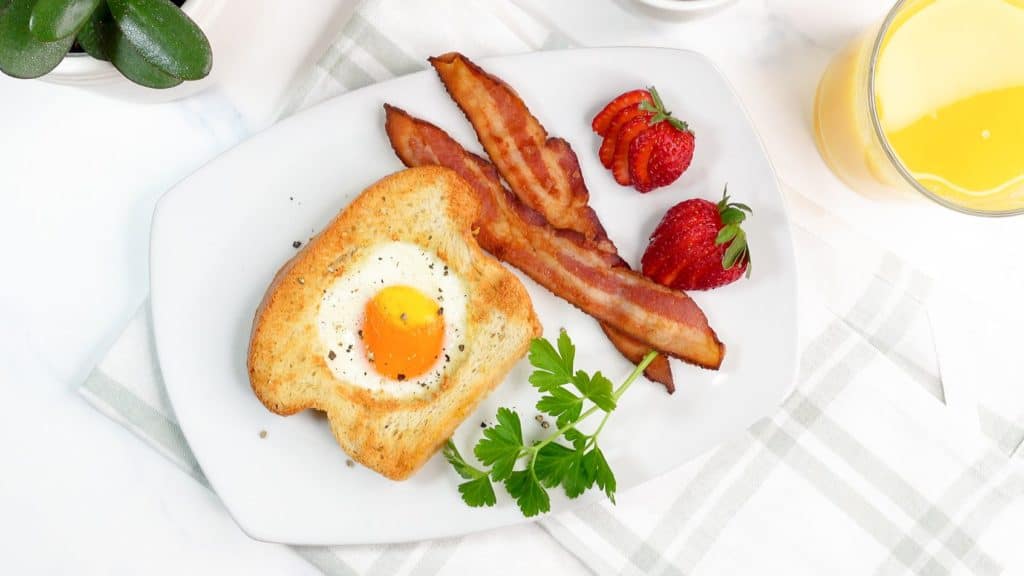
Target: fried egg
{"points": [[395, 321]]}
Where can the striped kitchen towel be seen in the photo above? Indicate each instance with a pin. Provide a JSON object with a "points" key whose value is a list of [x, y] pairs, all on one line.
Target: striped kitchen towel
{"points": [[864, 469]]}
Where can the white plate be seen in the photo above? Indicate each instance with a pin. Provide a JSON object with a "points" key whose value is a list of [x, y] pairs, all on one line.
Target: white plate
{"points": [[220, 235], [690, 6]]}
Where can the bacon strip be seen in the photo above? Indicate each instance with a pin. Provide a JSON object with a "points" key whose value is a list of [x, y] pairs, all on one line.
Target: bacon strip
{"points": [[562, 261], [542, 172]]}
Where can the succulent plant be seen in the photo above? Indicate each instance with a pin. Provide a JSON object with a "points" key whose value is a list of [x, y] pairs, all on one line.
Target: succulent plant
{"points": [[151, 42]]}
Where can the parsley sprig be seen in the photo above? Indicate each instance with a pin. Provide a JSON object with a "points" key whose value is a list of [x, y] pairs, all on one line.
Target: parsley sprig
{"points": [[568, 395]]}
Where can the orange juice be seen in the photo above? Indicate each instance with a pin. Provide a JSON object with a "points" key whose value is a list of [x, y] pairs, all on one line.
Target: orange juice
{"points": [[936, 100]]}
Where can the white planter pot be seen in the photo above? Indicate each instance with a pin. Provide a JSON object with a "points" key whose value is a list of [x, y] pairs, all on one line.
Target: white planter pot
{"points": [[84, 71]]}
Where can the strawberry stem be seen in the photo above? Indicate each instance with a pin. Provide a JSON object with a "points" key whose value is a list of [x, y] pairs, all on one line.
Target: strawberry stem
{"points": [[733, 214], [657, 107]]}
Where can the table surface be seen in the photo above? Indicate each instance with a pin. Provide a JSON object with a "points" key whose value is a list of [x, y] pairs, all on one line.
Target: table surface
{"points": [[81, 174]]}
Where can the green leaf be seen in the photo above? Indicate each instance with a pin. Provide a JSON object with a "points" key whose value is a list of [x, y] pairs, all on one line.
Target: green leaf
{"points": [[597, 467], [678, 124], [567, 350], [577, 479], [463, 468], [551, 463], [165, 36], [90, 37], [528, 492], [543, 356], [501, 444], [562, 404], [658, 104], [726, 234], [578, 439], [601, 392], [547, 381], [478, 492], [725, 198], [551, 369], [743, 207], [557, 464], [22, 55], [102, 39], [55, 19], [735, 252], [596, 388], [731, 216]]}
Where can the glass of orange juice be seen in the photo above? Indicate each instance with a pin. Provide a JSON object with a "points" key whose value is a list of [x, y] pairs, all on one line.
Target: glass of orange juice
{"points": [[931, 101]]}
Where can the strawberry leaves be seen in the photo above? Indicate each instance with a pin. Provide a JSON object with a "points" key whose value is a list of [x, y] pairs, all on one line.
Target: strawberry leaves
{"points": [[661, 114], [567, 457], [733, 214]]}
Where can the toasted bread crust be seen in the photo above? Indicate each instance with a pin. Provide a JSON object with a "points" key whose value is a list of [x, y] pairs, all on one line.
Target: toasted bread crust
{"points": [[431, 207]]}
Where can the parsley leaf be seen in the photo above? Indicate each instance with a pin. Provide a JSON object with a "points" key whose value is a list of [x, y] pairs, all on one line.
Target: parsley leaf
{"points": [[462, 468], [502, 444], [531, 497], [478, 493], [578, 439], [566, 350], [552, 369], [562, 404], [552, 463], [596, 388], [598, 468]]}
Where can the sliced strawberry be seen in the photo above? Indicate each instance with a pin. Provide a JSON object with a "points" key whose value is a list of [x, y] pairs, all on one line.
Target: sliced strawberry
{"points": [[640, 150], [602, 122], [629, 131], [660, 155], [611, 139]]}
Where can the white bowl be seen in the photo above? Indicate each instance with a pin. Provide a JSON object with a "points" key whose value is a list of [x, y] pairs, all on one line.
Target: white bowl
{"points": [[84, 71], [689, 6]]}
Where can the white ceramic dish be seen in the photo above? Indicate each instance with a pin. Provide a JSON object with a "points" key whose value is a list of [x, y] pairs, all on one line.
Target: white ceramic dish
{"points": [[686, 6], [220, 235]]}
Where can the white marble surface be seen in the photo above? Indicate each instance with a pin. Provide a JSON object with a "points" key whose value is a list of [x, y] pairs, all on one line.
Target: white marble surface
{"points": [[79, 178]]}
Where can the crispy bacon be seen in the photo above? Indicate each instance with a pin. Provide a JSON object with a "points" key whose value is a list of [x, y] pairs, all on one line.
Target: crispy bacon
{"points": [[542, 172], [562, 261], [634, 350]]}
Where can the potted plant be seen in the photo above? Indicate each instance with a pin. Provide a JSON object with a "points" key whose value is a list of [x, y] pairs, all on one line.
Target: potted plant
{"points": [[149, 43]]}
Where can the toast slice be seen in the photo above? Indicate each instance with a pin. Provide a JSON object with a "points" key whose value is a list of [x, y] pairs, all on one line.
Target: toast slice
{"points": [[288, 360]]}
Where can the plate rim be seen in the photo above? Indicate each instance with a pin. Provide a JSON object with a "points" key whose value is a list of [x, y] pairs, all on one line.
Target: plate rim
{"points": [[256, 531]]}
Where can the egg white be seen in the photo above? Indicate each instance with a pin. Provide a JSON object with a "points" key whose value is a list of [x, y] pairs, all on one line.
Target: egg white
{"points": [[342, 308]]}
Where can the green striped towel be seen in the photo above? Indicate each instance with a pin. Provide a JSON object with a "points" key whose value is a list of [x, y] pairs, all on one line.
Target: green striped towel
{"points": [[868, 468]]}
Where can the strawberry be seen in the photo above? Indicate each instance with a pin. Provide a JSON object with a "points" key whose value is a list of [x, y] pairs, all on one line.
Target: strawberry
{"points": [[602, 122], [660, 155], [699, 245], [627, 133], [611, 139]]}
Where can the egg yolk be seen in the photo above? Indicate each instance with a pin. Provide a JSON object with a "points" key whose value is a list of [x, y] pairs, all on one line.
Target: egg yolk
{"points": [[403, 331]]}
